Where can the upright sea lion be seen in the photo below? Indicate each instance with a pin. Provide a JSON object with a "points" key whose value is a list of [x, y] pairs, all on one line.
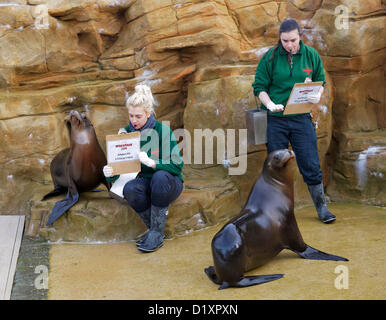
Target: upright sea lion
{"points": [[78, 168], [265, 226]]}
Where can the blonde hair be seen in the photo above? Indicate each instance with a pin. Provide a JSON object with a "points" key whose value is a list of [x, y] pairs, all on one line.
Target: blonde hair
{"points": [[142, 97]]}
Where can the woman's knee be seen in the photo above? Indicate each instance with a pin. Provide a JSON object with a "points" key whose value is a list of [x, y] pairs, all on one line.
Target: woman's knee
{"points": [[160, 175], [135, 194], [161, 181], [165, 188], [129, 190]]}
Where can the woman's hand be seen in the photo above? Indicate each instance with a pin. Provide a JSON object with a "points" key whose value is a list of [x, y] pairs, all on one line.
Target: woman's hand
{"points": [[108, 171], [146, 160], [271, 106], [314, 98], [274, 107], [122, 130]]}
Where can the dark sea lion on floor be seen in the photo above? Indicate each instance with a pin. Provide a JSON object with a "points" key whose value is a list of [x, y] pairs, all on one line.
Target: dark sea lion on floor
{"points": [[265, 226], [78, 168]]}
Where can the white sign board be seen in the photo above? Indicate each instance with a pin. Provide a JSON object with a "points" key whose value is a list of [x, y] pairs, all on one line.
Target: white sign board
{"points": [[298, 102], [122, 152]]}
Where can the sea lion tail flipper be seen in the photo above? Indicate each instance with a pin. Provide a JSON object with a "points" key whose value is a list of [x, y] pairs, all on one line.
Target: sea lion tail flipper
{"points": [[62, 206], [58, 190], [314, 254]]}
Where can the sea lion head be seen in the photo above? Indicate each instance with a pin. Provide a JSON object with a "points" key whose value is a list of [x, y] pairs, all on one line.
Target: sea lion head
{"points": [[76, 120], [277, 165], [79, 127]]}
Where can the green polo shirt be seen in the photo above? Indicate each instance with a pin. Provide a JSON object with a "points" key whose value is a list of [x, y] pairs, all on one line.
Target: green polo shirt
{"points": [[160, 145], [275, 78]]}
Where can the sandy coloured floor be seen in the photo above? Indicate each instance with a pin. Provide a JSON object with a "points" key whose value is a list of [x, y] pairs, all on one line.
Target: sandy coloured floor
{"points": [[176, 271]]}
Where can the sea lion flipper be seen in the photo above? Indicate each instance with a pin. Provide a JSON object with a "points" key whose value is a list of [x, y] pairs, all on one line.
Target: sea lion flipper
{"points": [[248, 281], [107, 184], [314, 254], [58, 190], [62, 206], [243, 282], [211, 273]]}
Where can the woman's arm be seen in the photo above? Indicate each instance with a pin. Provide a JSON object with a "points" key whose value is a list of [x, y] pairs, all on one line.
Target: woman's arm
{"points": [[270, 105], [264, 98]]}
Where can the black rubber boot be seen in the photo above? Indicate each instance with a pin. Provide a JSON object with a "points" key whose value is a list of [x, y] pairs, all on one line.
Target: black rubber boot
{"points": [[317, 195], [145, 216], [142, 238], [154, 238]]}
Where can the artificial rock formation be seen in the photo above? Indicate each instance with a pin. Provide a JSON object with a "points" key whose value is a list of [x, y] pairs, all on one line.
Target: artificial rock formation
{"points": [[199, 57]]}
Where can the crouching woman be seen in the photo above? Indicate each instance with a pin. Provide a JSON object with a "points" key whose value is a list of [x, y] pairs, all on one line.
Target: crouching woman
{"points": [[160, 181]]}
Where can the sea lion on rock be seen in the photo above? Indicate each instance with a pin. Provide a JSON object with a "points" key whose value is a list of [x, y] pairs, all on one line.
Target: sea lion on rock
{"points": [[78, 168], [265, 226]]}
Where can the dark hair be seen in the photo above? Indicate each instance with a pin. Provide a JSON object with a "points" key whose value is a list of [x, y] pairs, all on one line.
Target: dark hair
{"points": [[287, 25]]}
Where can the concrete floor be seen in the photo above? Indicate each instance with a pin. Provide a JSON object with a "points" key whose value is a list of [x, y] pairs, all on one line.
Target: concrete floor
{"points": [[176, 271]]}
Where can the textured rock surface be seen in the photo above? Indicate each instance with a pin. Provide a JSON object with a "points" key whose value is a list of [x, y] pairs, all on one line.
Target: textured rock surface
{"points": [[199, 58], [205, 201], [355, 59]]}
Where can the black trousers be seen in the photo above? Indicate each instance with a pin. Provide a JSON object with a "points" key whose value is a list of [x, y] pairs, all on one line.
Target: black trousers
{"points": [[160, 191], [300, 132]]}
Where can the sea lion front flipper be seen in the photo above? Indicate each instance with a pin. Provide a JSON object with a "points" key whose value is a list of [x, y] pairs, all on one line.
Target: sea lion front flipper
{"points": [[244, 281], [62, 206], [248, 281], [314, 254], [57, 191], [211, 273]]}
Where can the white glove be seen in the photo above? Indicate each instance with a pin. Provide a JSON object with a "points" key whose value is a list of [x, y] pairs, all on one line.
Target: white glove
{"points": [[122, 130], [314, 98], [275, 107], [108, 171], [146, 160]]}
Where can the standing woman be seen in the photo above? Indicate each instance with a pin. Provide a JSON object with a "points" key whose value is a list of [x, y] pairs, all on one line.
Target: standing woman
{"points": [[287, 63], [160, 181]]}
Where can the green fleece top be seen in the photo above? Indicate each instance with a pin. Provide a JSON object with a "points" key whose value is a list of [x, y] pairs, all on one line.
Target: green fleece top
{"points": [[160, 145], [275, 78]]}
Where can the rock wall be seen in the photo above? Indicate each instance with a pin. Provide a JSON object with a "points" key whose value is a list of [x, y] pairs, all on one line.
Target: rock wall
{"points": [[199, 57], [355, 59]]}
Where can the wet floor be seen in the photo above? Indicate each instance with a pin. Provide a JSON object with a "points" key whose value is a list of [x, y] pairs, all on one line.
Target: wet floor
{"points": [[176, 271]]}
